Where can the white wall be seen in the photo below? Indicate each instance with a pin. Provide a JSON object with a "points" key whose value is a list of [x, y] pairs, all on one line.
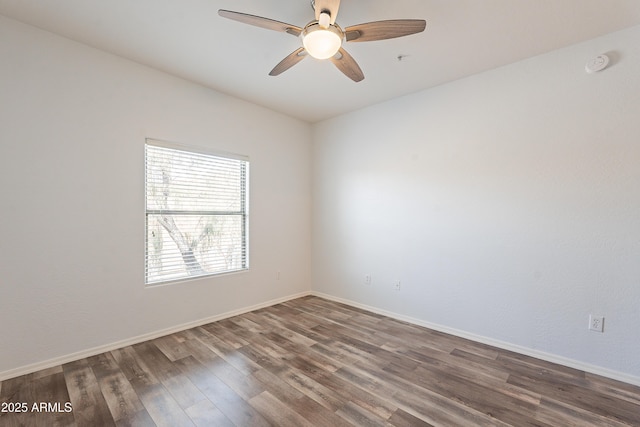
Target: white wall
{"points": [[507, 204], [73, 121]]}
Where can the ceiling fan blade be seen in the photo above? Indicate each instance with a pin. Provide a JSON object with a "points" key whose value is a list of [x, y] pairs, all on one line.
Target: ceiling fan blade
{"points": [[382, 30], [259, 21], [330, 6], [345, 63], [289, 62]]}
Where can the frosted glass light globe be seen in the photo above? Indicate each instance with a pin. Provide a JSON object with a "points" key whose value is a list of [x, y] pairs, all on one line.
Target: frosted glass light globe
{"points": [[321, 43]]}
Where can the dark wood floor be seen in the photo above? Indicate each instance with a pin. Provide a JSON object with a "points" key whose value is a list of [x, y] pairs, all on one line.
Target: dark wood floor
{"points": [[313, 362]]}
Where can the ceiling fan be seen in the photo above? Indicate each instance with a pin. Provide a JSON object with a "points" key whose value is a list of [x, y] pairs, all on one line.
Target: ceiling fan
{"points": [[323, 38]]}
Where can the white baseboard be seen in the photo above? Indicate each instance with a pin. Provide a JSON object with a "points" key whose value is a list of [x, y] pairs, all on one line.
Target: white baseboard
{"points": [[597, 370], [549, 357], [23, 370]]}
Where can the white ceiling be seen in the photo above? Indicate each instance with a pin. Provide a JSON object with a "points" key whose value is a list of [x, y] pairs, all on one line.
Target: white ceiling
{"points": [[187, 38]]}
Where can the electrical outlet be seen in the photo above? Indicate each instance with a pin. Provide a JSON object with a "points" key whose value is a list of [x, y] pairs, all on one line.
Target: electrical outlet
{"points": [[596, 323], [367, 279], [396, 285]]}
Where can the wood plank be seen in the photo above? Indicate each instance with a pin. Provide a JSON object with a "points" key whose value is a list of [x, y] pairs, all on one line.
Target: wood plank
{"points": [[358, 392], [185, 393], [419, 401], [556, 413], [225, 336], [580, 397], [135, 370], [139, 419], [295, 350], [46, 372], [495, 403], [311, 410], [205, 414], [220, 347], [162, 408], [262, 360], [277, 412], [223, 397], [156, 361], [613, 388], [171, 347], [400, 418], [121, 398], [245, 385], [52, 389], [360, 417], [16, 391], [475, 372], [281, 329], [309, 387], [89, 406]]}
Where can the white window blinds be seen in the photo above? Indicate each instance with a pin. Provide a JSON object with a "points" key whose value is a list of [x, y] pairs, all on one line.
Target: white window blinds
{"points": [[196, 213]]}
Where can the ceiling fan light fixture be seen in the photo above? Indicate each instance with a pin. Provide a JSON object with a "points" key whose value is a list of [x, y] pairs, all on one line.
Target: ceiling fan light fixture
{"points": [[321, 43]]}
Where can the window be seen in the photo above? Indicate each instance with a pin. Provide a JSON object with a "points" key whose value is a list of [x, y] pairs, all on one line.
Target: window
{"points": [[196, 213]]}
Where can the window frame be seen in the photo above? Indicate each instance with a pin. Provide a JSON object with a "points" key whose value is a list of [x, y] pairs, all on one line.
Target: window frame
{"points": [[243, 212]]}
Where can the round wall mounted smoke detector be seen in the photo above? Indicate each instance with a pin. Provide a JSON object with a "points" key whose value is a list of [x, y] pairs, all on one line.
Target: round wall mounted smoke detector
{"points": [[598, 63]]}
